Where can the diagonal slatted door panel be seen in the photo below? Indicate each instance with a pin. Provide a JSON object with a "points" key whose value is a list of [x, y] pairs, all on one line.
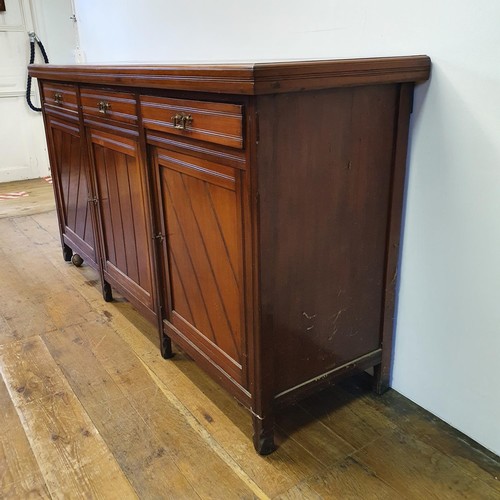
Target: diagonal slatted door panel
{"points": [[201, 207]]}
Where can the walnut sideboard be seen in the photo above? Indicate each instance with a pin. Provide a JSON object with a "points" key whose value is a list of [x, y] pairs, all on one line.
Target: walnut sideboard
{"points": [[251, 211]]}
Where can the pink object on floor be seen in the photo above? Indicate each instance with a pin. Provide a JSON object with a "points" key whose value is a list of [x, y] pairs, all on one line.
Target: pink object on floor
{"points": [[10, 196]]}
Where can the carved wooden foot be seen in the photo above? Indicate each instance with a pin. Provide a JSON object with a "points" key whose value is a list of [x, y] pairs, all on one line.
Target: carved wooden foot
{"points": [[263, 435], [380, 379], [107, 293], [166, 346], [67, 253]]}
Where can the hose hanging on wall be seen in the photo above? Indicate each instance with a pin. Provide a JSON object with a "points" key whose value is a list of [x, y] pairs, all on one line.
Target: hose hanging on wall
{"points": [[34, 37]]}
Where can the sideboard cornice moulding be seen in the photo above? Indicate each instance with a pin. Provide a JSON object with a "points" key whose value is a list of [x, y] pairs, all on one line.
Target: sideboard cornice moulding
{"points": [[248, 79]]}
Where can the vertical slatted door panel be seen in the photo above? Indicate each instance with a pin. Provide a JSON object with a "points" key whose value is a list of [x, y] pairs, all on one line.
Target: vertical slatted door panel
{"points": [[124, 217], [69, 164], [82, 225], [201, 204]]}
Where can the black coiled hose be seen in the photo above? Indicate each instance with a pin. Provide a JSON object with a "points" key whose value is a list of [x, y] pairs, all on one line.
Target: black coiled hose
{"points": [[33, 37]]}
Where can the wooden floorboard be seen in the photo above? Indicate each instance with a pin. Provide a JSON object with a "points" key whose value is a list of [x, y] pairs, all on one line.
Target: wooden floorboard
{"points": [[69, 450], [40, 198], [89, 409], [346, 480], [20, 476]]}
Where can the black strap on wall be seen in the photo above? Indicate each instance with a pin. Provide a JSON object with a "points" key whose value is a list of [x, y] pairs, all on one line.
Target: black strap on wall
{"points": [[33, 38]]}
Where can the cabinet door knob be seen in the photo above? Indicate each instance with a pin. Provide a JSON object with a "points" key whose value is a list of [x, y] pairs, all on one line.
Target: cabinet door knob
{"points": [[181, 121], [58, 98], [103, 107]]}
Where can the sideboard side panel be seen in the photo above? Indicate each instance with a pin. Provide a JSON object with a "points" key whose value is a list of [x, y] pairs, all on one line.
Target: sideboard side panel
{"points": [[324, 187]]}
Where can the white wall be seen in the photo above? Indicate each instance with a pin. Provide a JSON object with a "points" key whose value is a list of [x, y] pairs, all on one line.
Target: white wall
{"points": [[448, 330], [56, 29], [24, 150]]}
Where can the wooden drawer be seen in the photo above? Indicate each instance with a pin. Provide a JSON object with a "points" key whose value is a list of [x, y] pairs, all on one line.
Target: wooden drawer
{"points": [[60, 99], [219, 123], [118, 106]]}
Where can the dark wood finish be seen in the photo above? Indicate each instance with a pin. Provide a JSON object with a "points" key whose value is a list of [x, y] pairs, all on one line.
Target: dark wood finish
{"points": [[2, 6], [201, 213], [60, 100], [250, 79], [119, 106], [214, 153], [382, 370], [123, 202], [69, 167], [276, 214], [219, 123], [326, 269], [260, 323]]}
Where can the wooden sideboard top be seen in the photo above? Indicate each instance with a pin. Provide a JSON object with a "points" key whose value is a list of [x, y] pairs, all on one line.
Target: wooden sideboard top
{"points": [[248, 79]]}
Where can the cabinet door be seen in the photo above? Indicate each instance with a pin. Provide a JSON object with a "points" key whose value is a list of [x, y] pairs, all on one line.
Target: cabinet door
{"points": [[124, 218], [201, 212], [69, 166]]}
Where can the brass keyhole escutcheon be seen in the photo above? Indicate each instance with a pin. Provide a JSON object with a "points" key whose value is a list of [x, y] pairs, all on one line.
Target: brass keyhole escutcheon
{"points": [[58, 98], [181, 121], [103, 107]]}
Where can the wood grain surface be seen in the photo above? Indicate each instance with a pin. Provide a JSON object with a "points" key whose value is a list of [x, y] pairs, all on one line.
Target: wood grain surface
{"points": [[89, 409], [277, 278], [249, 78]]}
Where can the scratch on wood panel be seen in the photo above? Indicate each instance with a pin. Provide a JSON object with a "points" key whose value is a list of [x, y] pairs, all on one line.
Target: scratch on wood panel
{"points": [[308, 316], [205, 435], [335, 318], [394, 277], [100, 342], [335, 330]]}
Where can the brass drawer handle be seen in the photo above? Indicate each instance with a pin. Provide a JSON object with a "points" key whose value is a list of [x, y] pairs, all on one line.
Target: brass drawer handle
{"points": [[103, 107], [58, 98], [182, 121]]}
